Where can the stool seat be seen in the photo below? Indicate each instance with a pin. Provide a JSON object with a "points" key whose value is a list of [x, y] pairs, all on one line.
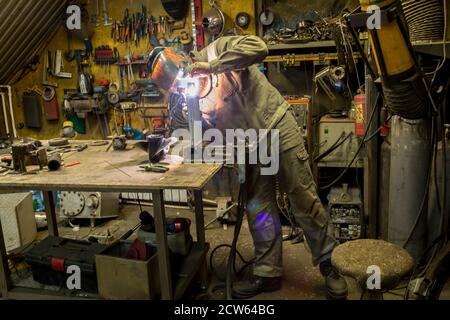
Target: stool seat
{"points": [[353, 259]]}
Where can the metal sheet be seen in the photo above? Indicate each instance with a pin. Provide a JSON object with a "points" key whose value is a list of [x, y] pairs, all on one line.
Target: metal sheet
{"points": [[24, 27]]}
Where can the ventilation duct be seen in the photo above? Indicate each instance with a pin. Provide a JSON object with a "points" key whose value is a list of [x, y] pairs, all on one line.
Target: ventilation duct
{"points": [[25, 26], [425, 19]]}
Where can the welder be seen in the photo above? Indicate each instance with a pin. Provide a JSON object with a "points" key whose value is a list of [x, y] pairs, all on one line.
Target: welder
{"points": [[235, 94]]}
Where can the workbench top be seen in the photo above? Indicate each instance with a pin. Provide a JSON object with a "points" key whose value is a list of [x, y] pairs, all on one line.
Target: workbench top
{"points": [[111, 171]]}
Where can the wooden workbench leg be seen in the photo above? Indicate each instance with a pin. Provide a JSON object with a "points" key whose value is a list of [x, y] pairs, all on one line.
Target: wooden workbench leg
{"points": [[163, 245], [5, 274], [200, 223], [50, 211]]}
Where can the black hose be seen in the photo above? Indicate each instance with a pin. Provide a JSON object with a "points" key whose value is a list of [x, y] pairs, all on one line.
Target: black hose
{"points": [[236, 271], [237, 231], [359, 149], [444, 223], [427, 191], [406, 99], [334, 147]]}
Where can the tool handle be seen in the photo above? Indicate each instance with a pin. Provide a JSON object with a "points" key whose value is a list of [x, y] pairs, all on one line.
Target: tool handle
{"points": [[72, 164]]}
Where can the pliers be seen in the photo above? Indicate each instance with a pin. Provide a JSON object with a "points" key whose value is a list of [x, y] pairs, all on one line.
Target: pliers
{"points": [[155, 168]]}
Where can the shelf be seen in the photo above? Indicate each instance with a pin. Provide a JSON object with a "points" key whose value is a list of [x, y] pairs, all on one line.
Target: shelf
{"points": [[302, 45], [190, 267], [433, 48], [359, 164], [21, 293]]}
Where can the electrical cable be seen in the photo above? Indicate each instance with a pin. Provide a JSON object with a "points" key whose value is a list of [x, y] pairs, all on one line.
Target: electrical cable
{"points": [[334, 147], [435, 242], [441, 203], [359, 149], [424, 201], [444, 47], [374, 135], [238, 272], [444, 168], [139, 202], [237, 231]]}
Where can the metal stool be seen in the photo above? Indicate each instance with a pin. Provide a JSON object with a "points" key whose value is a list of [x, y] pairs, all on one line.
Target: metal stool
{"points": [[354, 258]]}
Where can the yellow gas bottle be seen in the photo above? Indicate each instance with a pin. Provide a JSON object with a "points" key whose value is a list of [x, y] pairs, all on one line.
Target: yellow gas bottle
{"points": [[394, 49], [365, 4]]}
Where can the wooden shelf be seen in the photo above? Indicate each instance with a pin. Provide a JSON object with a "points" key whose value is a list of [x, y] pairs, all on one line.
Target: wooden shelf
{"points": [[433, 48], [304, 45]]}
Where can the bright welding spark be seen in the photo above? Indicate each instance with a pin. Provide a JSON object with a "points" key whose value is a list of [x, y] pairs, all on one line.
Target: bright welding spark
{"points": [[193, 88], [189, 84]]}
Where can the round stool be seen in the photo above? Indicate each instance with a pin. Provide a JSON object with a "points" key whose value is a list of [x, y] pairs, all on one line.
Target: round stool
{"points": [[358, 259]]}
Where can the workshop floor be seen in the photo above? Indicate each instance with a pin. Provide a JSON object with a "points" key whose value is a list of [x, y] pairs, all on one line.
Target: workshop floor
{"points": [[301, 280]]}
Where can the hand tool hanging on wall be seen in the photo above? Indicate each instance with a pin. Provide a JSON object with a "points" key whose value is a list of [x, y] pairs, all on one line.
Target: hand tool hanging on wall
{"points": [[213, 21], [32, 111], [85, 80], [107, 20], [243, 20], [105, 55], [266, 17], [95, 19], [51, 108], [59, 67], [47, 70]]}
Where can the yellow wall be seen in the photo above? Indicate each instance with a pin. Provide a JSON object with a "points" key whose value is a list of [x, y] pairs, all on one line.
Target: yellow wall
{"points": [[102, 37]]}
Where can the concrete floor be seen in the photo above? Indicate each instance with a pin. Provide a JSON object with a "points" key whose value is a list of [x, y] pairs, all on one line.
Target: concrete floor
{"points": [[301, 280]]}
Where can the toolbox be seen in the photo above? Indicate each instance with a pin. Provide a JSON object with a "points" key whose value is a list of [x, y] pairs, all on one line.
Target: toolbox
{"points": [[51, 258]]}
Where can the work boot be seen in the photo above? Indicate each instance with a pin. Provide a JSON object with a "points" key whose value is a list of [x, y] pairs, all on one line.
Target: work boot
{"points": [[258, 285], [336, 285]]}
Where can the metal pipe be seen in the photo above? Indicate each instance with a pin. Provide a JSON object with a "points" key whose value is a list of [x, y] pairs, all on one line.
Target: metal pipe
{"points": [[4, 113], [11, 109], [54, 162], [168, 206]]}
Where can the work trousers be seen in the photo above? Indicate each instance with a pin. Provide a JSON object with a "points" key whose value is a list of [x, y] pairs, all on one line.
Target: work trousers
{"points": [[295, 177]]}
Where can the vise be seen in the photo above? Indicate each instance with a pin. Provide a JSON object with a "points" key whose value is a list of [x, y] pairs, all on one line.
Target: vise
{"points": [[28, 154]]}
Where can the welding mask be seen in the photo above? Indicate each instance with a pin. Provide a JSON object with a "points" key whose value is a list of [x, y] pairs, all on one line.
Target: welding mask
{"points": [[214, 22], [167, 67]]}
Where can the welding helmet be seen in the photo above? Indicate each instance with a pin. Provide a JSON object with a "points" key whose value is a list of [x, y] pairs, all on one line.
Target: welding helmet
{"points": [[213, 22], [167, 66]]}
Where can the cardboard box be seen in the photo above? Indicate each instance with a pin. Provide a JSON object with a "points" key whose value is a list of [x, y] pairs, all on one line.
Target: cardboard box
{"points": [[124, 279], [18, 220]]}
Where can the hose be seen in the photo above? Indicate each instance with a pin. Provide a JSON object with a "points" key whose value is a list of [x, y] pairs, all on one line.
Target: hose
{"points": [[406, 99], [232, 257], [359, 149], [334, 147]]}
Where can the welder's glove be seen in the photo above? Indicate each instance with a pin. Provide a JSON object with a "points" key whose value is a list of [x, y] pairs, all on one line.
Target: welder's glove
{"points": [[199, 69]]}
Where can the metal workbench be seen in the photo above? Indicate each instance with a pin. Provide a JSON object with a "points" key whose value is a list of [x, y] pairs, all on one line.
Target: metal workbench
{"points": [[101, 171]]}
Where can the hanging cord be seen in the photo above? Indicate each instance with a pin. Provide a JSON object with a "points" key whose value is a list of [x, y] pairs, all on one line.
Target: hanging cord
{"points": [[287, 212], [444, 47], [441, 200], [359, 149], [335, 146], [232, 257]]}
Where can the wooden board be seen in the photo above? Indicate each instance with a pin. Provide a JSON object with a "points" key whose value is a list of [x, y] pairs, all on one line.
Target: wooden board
{"points": [[112, 171]]}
